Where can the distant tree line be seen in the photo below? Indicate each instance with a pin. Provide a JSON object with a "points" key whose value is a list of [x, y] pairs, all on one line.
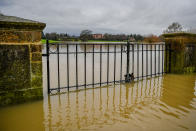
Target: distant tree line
{"points": [[153, 39], [86, 35], [137, 37], [122, 37], [59, 36]]}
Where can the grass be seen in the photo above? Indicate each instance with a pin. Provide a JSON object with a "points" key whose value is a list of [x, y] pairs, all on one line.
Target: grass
{"points": [[43, 41], [50, 41]]}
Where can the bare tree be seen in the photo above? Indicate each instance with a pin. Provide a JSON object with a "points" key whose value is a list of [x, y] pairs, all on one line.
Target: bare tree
{"points": [[174, 27]]}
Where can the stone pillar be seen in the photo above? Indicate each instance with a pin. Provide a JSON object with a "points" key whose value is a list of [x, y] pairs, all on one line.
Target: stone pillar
{"points": [[182, 58], [20, 60]]}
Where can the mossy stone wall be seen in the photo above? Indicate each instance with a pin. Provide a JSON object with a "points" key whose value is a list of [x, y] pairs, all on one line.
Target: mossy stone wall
{"points": [[20, 61], [21, 73], [183, 56]]}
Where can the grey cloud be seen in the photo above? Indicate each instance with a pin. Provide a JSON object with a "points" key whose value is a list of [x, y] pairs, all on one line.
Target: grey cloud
{"points": [[101, 16]]}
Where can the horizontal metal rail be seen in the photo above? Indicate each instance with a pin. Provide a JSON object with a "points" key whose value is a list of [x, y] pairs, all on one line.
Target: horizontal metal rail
{"points": [[97, 52], [106, 83], [106, 43]]}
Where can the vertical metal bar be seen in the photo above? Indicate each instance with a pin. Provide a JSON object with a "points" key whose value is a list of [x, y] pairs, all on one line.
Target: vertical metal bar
{"points": [[162, 58], [77, 66], [100, 63], [114, 63], [159, 57], [127, 79], [58, 68], [108, 60], [151, 58], [142, 61], [155, 60], [93, 77], [128, 51], [146, 60], [133, 58], [85, 65], [68, 66], [121, 63], [137, 61], [127, 76], [48, 65]]}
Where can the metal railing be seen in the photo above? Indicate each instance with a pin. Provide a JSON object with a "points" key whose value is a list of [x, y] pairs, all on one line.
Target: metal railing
{"points": [[128, 61]]}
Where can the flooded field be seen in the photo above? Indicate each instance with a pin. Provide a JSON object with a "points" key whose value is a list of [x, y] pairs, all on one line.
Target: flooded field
{"points": [[167, 102], [161, 103]]}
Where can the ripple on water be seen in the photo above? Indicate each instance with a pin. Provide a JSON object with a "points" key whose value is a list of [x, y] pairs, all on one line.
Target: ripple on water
{"points": [[161, 103]]}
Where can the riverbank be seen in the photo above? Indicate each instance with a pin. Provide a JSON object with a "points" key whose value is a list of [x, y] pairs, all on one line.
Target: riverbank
{"points": [[43, 41]]}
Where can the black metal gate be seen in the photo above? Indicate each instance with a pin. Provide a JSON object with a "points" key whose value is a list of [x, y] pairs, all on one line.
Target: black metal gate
{"points": [[123, 62]]}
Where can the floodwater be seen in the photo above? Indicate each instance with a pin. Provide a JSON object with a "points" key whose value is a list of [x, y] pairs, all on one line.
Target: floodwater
{"points": [[166, 103]]}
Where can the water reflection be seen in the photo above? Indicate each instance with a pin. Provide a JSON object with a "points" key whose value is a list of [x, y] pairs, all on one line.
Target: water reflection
{"points": [[165, 103], [162, 101], [181, 94]]}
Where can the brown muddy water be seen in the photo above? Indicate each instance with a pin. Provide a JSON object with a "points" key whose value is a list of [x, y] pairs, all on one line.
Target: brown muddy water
{"points": [[166, 103]]}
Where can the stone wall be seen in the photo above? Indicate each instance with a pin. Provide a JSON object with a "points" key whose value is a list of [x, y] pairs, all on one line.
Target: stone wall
{"points": [[21, 77], [13, 36], [183, 56], [20, 61]]}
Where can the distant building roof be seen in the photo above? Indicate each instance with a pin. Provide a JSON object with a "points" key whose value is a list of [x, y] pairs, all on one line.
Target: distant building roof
{"points": [[13, 22]]}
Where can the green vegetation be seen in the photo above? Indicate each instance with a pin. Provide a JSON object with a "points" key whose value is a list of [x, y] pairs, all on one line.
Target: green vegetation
{"points": [[54, 41], [50, 41], [86, 35], [25, 83], [179, 34]]}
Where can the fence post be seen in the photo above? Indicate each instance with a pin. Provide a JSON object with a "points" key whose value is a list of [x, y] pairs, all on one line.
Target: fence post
{"points": [[20, 60], [180, 56], [48, 66], [127, 75]]}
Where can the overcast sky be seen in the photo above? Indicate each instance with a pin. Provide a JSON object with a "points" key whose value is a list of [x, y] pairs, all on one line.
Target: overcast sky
{"points": [[101, 16]]}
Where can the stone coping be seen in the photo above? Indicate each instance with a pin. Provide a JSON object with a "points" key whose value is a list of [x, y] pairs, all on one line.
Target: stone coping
{"points": [[17, 23], [179, 34]]}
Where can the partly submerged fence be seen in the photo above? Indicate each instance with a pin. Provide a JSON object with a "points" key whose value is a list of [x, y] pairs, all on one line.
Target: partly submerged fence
{"points": [[84, 65]]}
